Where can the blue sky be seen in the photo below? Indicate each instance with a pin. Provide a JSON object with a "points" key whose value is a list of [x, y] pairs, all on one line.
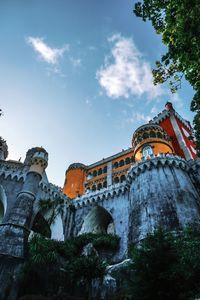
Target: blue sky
{"points": [[75, 78]]}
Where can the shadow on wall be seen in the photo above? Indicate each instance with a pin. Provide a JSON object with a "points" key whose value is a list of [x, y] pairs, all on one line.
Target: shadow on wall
{"points": [[3, 203], [98, 220]]}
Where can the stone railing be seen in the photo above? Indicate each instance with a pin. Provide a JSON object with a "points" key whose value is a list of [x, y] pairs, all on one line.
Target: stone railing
{"points": [[156, 162]]}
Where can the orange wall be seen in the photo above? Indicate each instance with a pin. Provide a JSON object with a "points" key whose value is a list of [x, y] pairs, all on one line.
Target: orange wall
{"points": [[74, 183]]}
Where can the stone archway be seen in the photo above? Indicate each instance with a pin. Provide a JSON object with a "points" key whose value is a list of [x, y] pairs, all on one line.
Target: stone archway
{"points": [[3, 203], [98, 220]]}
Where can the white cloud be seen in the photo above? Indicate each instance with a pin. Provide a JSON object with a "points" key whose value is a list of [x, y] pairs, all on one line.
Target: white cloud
{"points": [[46, 53], [138, 117], [175, 98], [125, 72], [76, 62]]}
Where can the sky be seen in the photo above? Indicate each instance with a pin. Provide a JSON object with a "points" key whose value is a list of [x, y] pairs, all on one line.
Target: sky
{"points": [[75, 78]]}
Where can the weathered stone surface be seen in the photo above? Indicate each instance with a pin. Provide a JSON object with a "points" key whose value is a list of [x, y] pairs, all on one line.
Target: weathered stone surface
{"points": [[89, 250], [114, 284]]}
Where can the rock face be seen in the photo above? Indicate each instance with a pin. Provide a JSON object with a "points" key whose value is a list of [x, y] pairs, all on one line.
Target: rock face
{"points": [[162, 193], [89, 250], [114, 284]]}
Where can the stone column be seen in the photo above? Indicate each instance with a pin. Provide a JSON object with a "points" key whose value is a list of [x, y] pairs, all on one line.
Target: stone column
{"points": [[15, 229]]}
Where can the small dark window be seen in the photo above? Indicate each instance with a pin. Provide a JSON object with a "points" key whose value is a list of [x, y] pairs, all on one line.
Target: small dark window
{"points": [[105, 169], [145, 136], [159, 135], [128, 160], [122, 178], [94, 173], [116, 180], [116, 165], [100, 171], [152, 134], [105, 184], [99, 186], [94, 187], [121, 163]]}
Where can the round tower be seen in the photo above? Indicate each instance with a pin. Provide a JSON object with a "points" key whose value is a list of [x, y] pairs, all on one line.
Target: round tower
{"points": [[162, 194], [31, 152], [3, 149], [74, 185], [150, 140]]}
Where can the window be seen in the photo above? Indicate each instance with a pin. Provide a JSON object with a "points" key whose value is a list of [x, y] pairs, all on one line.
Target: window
{"points": [[105, 169], [105, 184], [121, 163], [128, 161], [115, 165], [100, 171], [116, 180], [94, 187], [147, 151], [94, 173], [89, 176], [99, 186], [122, 178]]}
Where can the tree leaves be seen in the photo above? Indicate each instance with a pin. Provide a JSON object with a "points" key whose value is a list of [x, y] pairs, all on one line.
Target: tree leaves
{"points": [[178, 22]]}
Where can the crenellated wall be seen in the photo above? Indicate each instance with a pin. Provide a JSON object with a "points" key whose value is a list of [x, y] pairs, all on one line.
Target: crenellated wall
{"points": [[159, 191], [162, 193]]}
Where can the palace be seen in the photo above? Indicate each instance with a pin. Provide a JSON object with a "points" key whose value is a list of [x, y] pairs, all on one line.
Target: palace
{"points": [[155, 183], [166, 133]]}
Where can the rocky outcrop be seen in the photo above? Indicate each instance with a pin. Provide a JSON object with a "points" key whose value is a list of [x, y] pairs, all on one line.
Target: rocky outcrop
{"points": [[114, 284]]}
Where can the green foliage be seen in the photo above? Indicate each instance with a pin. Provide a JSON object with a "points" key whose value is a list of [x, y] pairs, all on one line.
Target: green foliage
{"points": [[56, 267], [167, 266], [178, 22]]}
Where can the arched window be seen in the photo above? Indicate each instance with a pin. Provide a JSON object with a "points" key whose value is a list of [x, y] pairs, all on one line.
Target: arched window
{"points": [[145, 136], [159, 135], [100, 171], [121, 163], [116, 165], [105, 169], [152, 134], [89, 176], [94, 173], [88, 190], [147, 151], [116, 179], [99, 186], [94, 188], [128, 160], [122, 178], [132, 159], [105, 184]]}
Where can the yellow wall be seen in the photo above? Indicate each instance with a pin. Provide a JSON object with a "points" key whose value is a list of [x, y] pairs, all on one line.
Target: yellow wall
{"points": [[157, 147]]}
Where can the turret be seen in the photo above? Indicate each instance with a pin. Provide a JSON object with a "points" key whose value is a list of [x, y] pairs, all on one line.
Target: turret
{"points": [[149, 140], [3, 149], [75, 180], [162, 194]]}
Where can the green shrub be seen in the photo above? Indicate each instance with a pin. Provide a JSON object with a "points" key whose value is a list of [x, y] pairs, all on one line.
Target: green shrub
{"points": [[167, 266], [55, 266]]}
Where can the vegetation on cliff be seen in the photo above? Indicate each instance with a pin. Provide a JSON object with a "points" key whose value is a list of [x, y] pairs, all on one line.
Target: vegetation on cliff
{"points": [[58, 270]]}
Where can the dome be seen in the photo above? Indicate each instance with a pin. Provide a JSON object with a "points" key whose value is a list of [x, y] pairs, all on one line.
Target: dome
{"points": [[76, 166]]}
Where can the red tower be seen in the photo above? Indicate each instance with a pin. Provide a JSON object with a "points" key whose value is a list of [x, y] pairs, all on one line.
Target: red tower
{"points": [[179, 130]]}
